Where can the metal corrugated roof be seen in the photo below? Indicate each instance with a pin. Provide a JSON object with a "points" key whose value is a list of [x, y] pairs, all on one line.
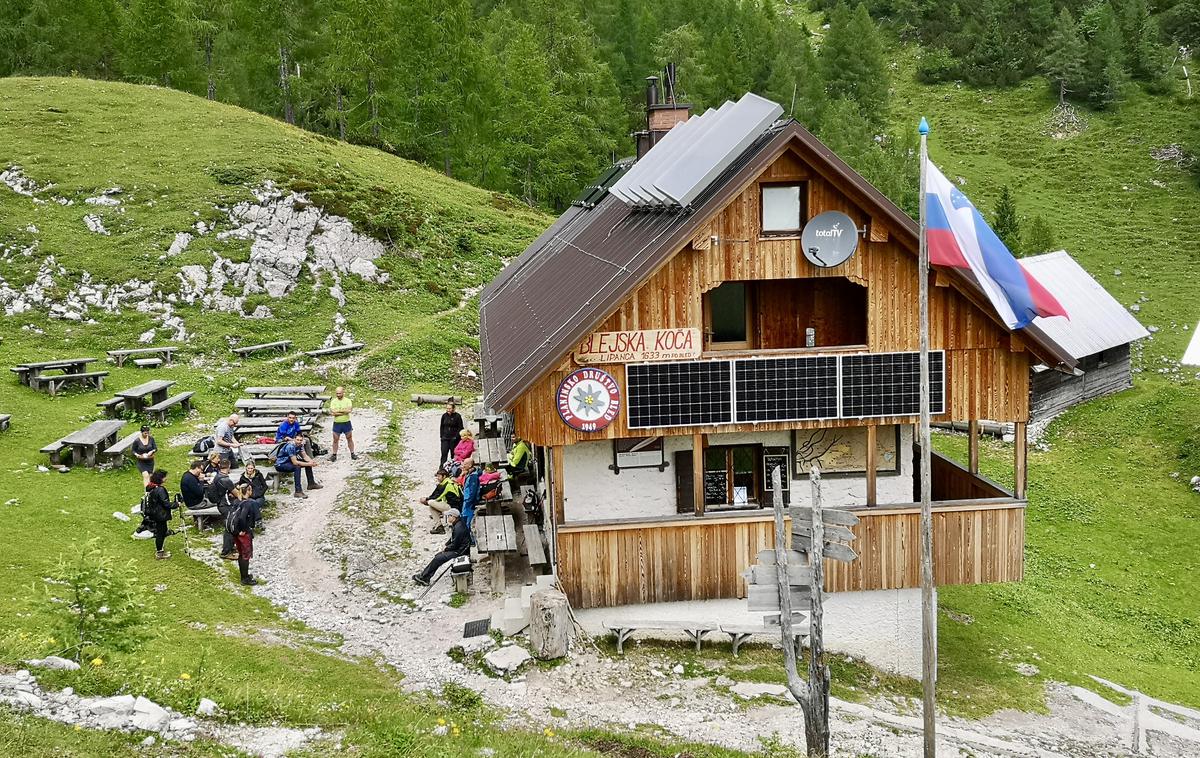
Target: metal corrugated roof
{"points": [[1096, 320]]}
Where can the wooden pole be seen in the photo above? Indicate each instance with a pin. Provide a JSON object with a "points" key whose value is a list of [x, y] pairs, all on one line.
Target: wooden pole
{"points": [[928, 620], [556, 471], [698, 473], [973, 446], [872, 464], [1020, 459], [816, 718]]}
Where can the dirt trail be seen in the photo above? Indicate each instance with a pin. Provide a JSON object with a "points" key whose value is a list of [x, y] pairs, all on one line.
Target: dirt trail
{"points": [[329, 569]]}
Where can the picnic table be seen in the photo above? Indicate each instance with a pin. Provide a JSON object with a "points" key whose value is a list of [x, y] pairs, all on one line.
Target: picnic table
{"points": [[134, 398], [166, 352], [282, 346], [259, 429], [27, 372], [489, 425], [250, 405], [305, 390], [490, 450], [87, 442], [496, 535]]}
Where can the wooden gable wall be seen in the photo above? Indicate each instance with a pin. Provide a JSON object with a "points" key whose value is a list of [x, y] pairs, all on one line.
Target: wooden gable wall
{"points": [[987, 370]]}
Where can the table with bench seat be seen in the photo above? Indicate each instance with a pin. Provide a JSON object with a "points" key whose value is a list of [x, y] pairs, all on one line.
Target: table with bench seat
{"points": [[257, 427], [282, 346], [490, 450], [166, 354], [695, 630], [86, 443], [496, 535], [250, 406], [28, 372], [134, 398], [310, 391]]}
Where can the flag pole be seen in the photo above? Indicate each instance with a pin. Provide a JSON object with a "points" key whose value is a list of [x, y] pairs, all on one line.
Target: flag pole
{"points": [[928, 618]]}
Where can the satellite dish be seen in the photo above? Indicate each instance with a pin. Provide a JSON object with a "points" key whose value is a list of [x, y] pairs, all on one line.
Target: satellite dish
{"points": [[829, 239]]}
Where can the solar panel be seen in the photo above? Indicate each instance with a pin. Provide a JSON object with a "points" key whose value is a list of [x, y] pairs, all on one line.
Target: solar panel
{"points": [[889, 384], [676, 139], [684, 393], [690, 173], [786, 389]]}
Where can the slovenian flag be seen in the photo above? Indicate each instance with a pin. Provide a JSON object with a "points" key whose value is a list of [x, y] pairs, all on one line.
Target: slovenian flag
{"points": [[958, 237]]}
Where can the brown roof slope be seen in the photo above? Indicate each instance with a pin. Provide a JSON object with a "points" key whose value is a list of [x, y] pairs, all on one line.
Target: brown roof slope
{"points": [[578, 271]]}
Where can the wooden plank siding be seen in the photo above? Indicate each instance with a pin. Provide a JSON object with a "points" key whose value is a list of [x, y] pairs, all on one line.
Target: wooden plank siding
{"points": [[987, 371], [623, 564], [607, 565]]}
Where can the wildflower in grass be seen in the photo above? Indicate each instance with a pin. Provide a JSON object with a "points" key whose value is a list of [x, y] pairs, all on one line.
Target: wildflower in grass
{"points": [[548, 732], [97, 662], [185, 676], [441, 722]]}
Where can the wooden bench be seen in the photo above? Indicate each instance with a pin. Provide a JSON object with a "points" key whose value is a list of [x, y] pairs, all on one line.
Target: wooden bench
{"points": [[159, 354], [54, 382], [304, 390], [250, 406], [740, 633], [282, 346], [4, 419], [335, 350], [183, 400], [533, 545], [22, 373], [436, 399], [112, 407], [199, 514], [695, 630], [54, 450], [147, 362], [255, 427], [117, 452]]}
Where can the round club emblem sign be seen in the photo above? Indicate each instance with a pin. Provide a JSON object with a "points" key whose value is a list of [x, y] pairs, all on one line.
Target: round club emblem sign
{"points": [[588, 399]]}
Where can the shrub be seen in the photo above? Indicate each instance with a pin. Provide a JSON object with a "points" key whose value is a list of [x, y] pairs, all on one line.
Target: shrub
{"points": [[936, 65], [96, 602]]}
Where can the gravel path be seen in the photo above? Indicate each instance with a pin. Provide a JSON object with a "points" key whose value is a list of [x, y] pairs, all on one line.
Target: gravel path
{"points": [[327, 568]]}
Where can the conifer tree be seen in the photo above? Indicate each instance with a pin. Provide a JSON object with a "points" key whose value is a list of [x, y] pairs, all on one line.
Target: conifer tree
{"points": [[1062, 61], [796, 81], [1104, 64], [853, 63], [156, 43], [1038, 237], [1005, 223], [209, 20]]}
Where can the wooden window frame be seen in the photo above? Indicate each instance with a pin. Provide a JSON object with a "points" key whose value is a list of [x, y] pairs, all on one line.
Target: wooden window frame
{"points": [[749, 315], [803, 211], [754, 499]]}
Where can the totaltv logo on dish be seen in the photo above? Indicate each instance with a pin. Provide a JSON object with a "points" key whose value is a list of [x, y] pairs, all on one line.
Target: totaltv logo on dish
{"points": [[833, 231]]}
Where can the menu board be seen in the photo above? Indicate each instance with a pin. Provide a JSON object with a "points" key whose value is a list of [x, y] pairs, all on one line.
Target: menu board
{"points": [[716, 488]]}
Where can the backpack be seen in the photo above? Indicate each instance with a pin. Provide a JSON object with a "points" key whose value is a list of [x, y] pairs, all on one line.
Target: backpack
{"points": [[203, 445], [316, 449], [235, 518], [274, 454], [154, 510]]}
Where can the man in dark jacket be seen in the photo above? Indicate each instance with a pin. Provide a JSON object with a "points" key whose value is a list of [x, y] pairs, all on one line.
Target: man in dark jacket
{"points": [[157, 511], [458, 544], [224, 494], [448, 430], [191, 488]]}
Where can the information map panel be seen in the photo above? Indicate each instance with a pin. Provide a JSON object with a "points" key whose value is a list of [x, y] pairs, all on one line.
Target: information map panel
{"points": [[889, 384], [685, 393], [787, 389]]}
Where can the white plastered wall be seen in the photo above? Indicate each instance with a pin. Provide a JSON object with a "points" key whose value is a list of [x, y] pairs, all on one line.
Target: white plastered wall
{"points": [[592, 491]]}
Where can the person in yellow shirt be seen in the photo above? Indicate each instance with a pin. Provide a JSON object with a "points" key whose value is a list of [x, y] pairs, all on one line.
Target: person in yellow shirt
{"points": [[340, 406]]}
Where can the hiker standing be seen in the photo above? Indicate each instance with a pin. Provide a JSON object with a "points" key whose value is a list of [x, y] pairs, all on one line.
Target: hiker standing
{"points": [[340, 406], [156, 509], [144, 447], [448, 429], [239, 525]]}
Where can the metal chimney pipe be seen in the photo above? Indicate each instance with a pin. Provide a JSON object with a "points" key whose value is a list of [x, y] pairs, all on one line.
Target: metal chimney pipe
{"points": [[651, 91]]}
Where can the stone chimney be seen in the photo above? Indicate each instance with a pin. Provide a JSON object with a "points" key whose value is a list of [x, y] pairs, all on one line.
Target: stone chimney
{"points": [[663, 112]]}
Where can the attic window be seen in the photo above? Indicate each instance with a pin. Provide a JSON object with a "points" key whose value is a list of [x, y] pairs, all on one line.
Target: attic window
{"points": [[784, 208]]}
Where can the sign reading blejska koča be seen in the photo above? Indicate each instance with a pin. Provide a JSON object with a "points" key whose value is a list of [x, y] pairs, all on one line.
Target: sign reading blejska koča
{"points": [[637, 346]]}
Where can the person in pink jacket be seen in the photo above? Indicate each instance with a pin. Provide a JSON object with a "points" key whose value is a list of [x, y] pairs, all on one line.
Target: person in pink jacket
{"points": [[465, 447]]}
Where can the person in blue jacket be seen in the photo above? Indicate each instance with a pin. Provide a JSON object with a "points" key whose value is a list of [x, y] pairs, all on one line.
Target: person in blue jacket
{"points": [[470, 490]]}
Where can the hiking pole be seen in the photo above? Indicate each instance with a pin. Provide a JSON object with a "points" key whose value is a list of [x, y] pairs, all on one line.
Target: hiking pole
{"points": [[441, 572]]}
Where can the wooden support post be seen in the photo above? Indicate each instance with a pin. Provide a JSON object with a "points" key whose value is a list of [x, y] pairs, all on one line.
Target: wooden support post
{"points": [[556, 481], [698, 473], [973, 446], [1020, 462], [872, 464]]}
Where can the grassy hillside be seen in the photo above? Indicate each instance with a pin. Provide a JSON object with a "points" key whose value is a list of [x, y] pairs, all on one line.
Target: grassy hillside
{"points": [[1112, 523]]}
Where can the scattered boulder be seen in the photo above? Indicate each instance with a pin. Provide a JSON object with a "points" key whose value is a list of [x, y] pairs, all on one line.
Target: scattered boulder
{"points": [[120, 516], [507, 660], [53, 662], [751, 690], [206, 707], [478, 644]]}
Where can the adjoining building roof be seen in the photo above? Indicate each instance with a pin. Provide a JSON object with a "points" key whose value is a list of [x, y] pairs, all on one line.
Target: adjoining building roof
{"points": [[1097, 321], [1192, 356], [581, 268]]}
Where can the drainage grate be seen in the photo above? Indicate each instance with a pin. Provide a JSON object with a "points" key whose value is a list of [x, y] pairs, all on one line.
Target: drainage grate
{"points": [[476, 628]]}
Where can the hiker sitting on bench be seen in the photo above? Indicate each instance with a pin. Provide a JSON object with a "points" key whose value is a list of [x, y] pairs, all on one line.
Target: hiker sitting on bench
{"points": [[191, 486], [458, 544], [292, 459], [445, 496]]}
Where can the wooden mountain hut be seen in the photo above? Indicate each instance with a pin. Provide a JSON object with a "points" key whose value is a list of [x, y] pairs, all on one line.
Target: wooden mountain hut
{"points": [[677, 334]]}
